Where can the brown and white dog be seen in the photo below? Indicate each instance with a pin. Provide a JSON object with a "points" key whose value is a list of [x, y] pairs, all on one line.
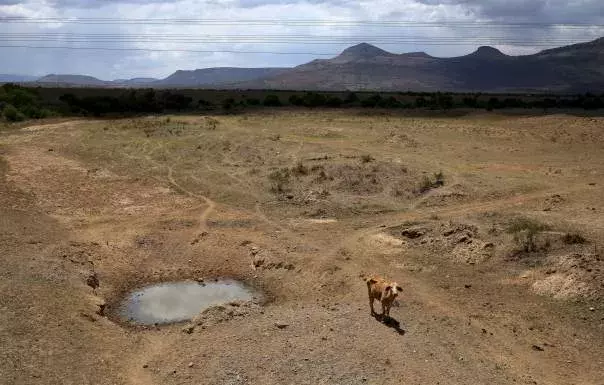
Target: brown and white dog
{"points": [[382, 290]]}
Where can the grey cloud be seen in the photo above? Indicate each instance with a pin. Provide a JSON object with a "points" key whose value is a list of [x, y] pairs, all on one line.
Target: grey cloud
{"points": [[9, 2], [101, 3], [259, 3], [535, 11]]}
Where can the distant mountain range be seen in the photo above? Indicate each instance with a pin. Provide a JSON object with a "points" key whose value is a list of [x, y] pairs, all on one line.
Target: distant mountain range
{"points": [[573, 68]]}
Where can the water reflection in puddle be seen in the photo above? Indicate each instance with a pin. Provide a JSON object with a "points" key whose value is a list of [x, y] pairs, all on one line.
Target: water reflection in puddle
{"points": [[179, 301]]}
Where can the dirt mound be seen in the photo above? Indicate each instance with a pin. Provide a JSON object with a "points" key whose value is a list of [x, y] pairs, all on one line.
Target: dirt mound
{"points": [[460, 241], [571, 276], [221, 313]]}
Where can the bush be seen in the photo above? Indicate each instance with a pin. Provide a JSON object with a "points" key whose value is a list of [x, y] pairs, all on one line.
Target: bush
{"points": [[252, 101], [333, 101], [351, 98], [272, 101], [366, 158], [300, 169], [525, 232], [573, 238], [314, 99], [279, 179], [296, 100], [12, 114], [228, 103], [428, 183]]}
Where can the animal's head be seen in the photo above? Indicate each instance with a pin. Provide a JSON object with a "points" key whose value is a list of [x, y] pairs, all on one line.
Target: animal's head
{"points": [[393, 289]]}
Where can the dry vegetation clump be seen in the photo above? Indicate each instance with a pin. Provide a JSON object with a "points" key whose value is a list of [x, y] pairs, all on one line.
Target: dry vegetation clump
{"points": [[460, 242], [428, 183], [525, 232], [365, 178]]}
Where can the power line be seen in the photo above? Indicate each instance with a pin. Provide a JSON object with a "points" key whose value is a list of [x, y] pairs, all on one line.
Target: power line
{"points": [[167, 50], [292, 22], [66, 37]]}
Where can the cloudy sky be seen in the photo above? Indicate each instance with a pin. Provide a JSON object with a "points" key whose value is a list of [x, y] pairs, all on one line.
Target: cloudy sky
{"points": [[133, 38]]}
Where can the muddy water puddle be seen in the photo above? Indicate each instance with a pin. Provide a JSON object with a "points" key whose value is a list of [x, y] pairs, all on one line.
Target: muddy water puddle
{"points": [[172, 302]]}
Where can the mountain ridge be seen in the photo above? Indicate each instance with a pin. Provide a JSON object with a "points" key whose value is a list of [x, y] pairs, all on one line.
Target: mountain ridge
{"points": [[573, 68]]}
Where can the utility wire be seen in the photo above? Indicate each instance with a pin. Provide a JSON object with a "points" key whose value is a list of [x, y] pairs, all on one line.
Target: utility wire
{"points": [[293, 22]]}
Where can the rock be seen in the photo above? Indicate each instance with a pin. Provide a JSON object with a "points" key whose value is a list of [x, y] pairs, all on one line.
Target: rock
{"points": [[281, 325], [254, 250], [467, 286], [145, 366], [199, 280], [592, 308], [245, 243], [537, 348], [413, 233], [101, 309], [190, 365], [188, 329]]}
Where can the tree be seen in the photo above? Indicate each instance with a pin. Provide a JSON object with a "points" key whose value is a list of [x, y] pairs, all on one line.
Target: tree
{"points": [[351, 98], [272, 100], [12, 114], [296, 100], [333, 101]]}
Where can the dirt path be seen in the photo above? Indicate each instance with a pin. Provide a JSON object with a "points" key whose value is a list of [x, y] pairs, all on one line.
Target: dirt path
{"points": [[462, 324]]}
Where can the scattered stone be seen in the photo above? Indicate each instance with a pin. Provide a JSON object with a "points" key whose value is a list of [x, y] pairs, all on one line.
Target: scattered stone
{"points": [[467, 286], [199, 280], [254, 250], [101, 309], [592, 308], [188, 329], [281, 325], [190, 365], [537, 348], [413, 233], [145, 366], [52, 149], [93, 281], [245, 243]]}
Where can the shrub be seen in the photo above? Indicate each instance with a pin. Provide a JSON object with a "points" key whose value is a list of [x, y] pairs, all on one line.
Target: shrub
{"points": [[314, 99], [296, 100], [279, 179], [350, 98], [300, 169], [525, 232], [573, 238], [272, 101], [252, 101], [428, 183], [367, 158], [333, 101], [12, 114], [211, 123], [228, 103]]}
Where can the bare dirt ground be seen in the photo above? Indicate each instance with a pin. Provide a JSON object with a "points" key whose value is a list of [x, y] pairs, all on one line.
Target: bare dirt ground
{"points": [[500, 256]]}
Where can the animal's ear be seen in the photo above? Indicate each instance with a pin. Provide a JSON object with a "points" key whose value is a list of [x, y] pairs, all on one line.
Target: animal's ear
{"points": [[399, 288], [371, 280]]}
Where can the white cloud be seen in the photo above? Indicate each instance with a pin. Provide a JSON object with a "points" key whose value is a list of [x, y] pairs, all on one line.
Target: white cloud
{"points": [[406, 38]]}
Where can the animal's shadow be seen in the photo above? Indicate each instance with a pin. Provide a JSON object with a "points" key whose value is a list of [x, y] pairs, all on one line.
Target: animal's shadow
{"points": [[390, 322]]}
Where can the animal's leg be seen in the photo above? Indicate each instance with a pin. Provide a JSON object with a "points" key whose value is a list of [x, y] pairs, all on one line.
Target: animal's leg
{"points": [[370, 301]]}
